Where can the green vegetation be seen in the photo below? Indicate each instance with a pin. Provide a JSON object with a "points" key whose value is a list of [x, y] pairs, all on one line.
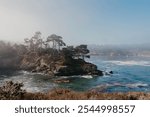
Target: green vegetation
{"points": [[12, 54], [49, 56], [54, 45]]}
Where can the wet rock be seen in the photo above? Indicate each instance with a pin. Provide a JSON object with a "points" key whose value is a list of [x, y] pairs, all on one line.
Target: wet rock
{"points": [[111, 72]]}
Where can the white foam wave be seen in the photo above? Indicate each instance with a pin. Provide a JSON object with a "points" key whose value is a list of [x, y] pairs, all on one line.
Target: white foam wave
{"points": [[31, 73], [32, 89], [87, 76], [24, 72], [132, 85], [79, 76], [135, 85], [131, 63], [109, 85]]}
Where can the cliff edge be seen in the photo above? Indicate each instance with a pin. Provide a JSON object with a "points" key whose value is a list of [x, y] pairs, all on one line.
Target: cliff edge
{"points": [[60, 64]]}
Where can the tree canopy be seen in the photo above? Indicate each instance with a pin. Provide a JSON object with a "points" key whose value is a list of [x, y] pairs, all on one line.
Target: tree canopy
{"points": [[55, 44]]}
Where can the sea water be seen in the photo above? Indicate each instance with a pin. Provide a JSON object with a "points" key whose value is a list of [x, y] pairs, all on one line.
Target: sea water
{"points": [[128, 75]]}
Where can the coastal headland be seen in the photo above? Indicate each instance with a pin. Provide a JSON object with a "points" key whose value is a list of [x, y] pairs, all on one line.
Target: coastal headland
{"points": [[51, 57], [54, 58]]}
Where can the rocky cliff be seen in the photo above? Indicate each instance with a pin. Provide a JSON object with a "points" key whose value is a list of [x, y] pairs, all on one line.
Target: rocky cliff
{"points": [[58, 65], [38, 55]]}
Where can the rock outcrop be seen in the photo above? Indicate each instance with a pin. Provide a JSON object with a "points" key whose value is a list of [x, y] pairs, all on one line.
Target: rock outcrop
{"points": [[58, 65], [38, 55]]}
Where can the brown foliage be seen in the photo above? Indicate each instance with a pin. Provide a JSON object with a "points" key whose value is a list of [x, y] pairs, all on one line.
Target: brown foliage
{"points": [[13, 91]]}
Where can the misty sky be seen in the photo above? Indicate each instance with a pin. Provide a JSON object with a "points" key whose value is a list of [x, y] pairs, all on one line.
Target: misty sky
{"points": [[77, 21]]}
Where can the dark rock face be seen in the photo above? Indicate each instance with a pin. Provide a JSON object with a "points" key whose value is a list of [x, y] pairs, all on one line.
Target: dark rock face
{"points": [[79, 67], [58, 66]]}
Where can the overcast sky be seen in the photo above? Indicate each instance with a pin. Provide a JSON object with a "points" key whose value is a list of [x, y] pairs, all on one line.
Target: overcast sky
{"points": [[77, 21]]}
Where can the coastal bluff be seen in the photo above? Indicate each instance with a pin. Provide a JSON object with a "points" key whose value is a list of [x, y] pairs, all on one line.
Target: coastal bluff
{"points": [[50, 56], [60, 64], [55, 58]]}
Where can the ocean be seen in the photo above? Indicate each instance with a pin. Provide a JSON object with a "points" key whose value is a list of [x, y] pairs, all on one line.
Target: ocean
{"points": [[128, 75]]}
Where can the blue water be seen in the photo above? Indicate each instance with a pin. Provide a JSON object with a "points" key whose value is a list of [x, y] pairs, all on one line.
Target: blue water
{"points": [[129, 75]]}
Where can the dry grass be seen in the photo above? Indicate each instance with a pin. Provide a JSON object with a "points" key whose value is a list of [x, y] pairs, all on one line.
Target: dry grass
{"points": [[13, 91], [65, 94]]}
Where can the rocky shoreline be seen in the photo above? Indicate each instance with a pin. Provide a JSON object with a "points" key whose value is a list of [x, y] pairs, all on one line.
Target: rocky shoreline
{"points": [[51, 57], [58, 67]]}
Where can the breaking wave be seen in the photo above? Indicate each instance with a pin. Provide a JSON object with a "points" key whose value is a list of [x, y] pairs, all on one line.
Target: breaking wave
{"points": [[131, 63], [132, 85], [87, 76], [30, 73], [136, 85]]}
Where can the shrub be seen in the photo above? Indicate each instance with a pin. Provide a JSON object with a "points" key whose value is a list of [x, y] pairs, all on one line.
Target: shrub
{"points": [[11, 91]]}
